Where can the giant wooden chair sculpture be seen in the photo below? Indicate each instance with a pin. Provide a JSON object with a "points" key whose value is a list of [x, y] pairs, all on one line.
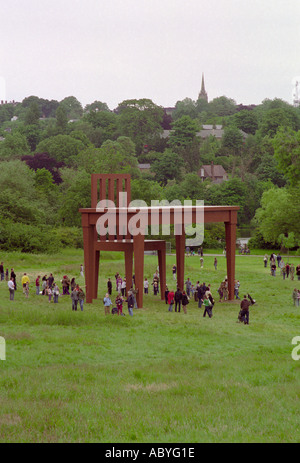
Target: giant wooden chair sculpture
{"points": [[108, 187]]}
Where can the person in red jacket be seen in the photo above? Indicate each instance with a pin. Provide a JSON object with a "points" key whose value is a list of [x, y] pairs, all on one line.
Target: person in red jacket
{"points": [[37, 285], [171, 300]]}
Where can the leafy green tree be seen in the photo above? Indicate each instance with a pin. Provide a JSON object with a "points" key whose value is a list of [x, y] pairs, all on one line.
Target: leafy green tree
{"points": [[287, 242], [186, 107], [192, 187], [96, 106], [184, 131], [61, 118], [279, 214], [247, 121], [167, 166], [18, 195], [75, 194], [43, 181], [146, 190], [32, 114], [14, 146], [32, 134], [118, 156], [73, 107], [232, 141], [140, 120], [231, 192], [6, 112], [287, 154], [61, 147], [222, 106]]}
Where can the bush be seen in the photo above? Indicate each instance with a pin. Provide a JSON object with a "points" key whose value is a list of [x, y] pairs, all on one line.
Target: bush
{"points": [[257, 242], [27, 238], [70, 237]]}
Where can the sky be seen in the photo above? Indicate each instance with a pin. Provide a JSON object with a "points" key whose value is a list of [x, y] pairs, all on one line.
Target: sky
{"points": [[114, 50]]}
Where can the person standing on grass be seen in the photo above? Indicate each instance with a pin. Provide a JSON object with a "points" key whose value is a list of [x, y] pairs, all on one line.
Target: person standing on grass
{"points": [[107, 303], [130, 303], [13, 277], [298, 271], [123, 287], [174, 272], [81, 296], [236, 289], [170, 300], [244, 313], [6, 275], [185, 301], [37, 285], [26, 290], [266, 260], [44, 285], [81, 270], [146, 286], [178, 299], [207, 307], [55, 293], [216, 263], [201, 261], [292, 272], [74, 297], [66, 285], [296, 297], [119, 304], [2, 271], [73, 284], [50, 280], [188, 287], [24, 280], [201, 292], [134, 292], [109, 286], [166, 294], [11, 288], [49, 293]]}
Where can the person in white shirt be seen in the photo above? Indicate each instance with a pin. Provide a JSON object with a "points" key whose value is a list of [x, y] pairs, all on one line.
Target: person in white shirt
{"points": [[146, 286], [123, 287], [11, 287]]}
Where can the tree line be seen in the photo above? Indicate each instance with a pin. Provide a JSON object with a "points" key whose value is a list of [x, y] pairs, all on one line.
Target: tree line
{"points": [[48, 149]]}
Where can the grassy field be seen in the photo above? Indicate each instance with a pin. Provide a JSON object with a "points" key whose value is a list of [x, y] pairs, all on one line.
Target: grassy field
{"points": [[156, 377]]}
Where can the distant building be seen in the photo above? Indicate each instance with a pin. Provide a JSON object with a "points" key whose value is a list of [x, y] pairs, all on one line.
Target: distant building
{"points": [[203, 93], [145, 168], [207, 131], [216, 173]]}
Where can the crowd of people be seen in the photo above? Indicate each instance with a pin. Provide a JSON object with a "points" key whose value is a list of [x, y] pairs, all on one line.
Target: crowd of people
{"points": [[46, 286], [198, 292], [287, 270]]}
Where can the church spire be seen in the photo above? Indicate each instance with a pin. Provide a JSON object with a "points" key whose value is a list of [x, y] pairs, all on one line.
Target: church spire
{"points": [[203, 94]]}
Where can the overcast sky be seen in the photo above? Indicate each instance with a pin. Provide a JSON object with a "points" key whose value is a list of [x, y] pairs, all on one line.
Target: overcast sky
{"points": [[113, 50]]}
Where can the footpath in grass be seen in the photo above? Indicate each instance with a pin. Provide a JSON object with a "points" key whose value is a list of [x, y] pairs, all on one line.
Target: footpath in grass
{"points": [[154, 377]]}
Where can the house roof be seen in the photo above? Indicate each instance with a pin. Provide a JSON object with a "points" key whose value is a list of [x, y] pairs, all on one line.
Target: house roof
{"points": [[219, 170], [144, 166]]}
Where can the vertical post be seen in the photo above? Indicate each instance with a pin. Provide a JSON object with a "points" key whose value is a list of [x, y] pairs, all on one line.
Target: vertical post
{"points": [[162, 270], [230, 233], [96, 273], [88, 247], [180, 247], [128, 267], [138, 250]]}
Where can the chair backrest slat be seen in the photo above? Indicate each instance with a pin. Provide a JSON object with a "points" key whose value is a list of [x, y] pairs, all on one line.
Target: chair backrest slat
{"points": [[109, 186]]}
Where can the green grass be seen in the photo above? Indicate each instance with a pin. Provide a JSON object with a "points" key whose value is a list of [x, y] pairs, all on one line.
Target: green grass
{"points": [[154, 377]]}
